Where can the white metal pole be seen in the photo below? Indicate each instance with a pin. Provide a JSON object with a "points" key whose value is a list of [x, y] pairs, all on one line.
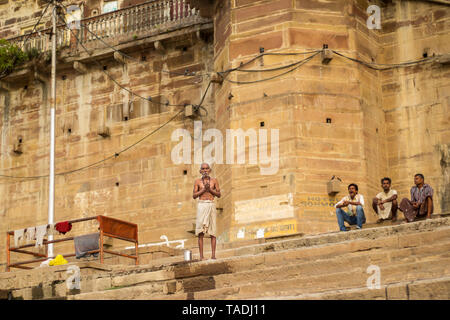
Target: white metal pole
{"points": [[51, 193]]}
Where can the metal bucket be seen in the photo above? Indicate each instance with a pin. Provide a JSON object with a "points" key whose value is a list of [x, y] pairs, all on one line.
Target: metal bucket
{"points": [[187, 255]]}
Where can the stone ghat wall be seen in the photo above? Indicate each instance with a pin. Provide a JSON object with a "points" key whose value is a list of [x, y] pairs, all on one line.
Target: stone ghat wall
{"points": [[416, 100], [391, 123], [322, 111], [141, 185], [333, 118]]}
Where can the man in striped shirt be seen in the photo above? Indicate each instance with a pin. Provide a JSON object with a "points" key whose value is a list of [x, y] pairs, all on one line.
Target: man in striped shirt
{"points": [[421, 203]]}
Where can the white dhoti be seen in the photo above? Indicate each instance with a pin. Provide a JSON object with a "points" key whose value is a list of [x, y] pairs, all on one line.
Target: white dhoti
{"points": [[206, 218]]}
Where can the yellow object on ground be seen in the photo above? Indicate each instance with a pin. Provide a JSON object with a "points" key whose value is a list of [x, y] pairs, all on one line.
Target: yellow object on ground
{"points": [[59, 260]]}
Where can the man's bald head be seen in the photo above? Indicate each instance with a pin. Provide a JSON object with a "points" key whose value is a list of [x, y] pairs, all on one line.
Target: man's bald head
{"points": [[205, 169]]}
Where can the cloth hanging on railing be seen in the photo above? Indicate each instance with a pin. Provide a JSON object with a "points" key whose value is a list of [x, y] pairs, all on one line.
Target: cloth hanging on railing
{"points": [[18, 237], [63, 227], [86, 243], [30, 233], [41, 231]]}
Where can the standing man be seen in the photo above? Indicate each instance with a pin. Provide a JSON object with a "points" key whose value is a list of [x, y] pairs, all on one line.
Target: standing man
{"points": [[354, 209], [385, 203], [421, 202], [206, 188]]}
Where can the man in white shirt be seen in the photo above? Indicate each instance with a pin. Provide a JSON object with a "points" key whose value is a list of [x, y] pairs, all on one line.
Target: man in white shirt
{"points": [[354, 209], [385, 203]]}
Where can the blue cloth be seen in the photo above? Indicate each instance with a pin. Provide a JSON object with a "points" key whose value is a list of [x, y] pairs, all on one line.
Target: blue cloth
{"points": [[342, 216]]}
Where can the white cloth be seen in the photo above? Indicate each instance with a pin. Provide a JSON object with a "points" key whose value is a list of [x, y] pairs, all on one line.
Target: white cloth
{"points": [[18, 237], [206, 218], [51, 231], [45, 263], [30, 233], [386, 213], [351, 209], [41, 232]]}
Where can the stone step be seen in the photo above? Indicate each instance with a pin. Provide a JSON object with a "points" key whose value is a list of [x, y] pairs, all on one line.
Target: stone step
{"points": [[428, 289], [294, 255], [241, 275], [296, 286], [320, 245], [315, 267], [298, 255], [334, 237]]}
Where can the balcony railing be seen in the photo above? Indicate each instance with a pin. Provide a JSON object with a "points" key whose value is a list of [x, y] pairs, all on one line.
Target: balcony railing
{"points": [[130, 22]]}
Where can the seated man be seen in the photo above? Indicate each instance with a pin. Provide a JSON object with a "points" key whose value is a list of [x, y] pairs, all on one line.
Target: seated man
{"points": [[354, 213], [385, 202], [421, 202]]}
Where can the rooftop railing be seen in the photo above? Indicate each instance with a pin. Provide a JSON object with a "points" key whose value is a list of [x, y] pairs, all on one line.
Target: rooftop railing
{"points": [[129, 22]]}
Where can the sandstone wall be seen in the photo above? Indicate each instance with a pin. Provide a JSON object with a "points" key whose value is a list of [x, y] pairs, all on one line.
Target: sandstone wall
{"points": [[298, 104], [340, 119], [141, 185], [355, 146], [416, 99]]}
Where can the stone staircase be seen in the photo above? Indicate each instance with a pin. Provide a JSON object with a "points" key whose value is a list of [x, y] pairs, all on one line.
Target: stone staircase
{"points": [[413, 260]]}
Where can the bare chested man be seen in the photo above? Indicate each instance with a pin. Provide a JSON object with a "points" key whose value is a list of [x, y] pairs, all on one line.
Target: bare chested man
{"points": [[206, 188]]}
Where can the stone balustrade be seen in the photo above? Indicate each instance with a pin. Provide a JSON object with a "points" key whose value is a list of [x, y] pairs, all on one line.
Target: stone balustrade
{"points": [[132, 22]]}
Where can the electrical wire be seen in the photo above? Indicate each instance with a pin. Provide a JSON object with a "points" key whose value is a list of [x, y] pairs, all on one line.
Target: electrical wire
{"points": [[262, 55], [115, 155], [224, 74], [114, 80], [186, 73], [297, 65], [121, 151], [274, 69], [382, 67], [125, 149]]}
